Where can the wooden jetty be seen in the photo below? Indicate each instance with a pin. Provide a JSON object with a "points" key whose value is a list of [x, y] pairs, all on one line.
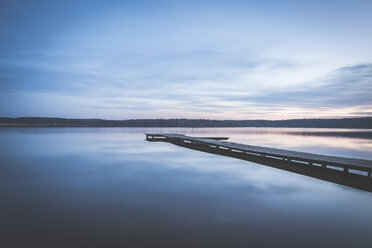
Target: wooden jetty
{"points": [[346, 171]]}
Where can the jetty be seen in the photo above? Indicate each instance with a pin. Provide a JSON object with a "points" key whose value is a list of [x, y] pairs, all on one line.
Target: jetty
{"points": [[351, 172]]}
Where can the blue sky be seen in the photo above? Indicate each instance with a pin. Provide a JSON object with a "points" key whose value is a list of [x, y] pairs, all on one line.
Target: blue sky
{"points": [[193, 59]]}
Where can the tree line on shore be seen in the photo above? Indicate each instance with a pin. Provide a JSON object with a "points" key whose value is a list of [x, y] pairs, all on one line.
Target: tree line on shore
{"points": [[364, 122]]}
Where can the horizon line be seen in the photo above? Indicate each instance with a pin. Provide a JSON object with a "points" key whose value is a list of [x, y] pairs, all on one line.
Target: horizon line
{"points": [[67, 118]]}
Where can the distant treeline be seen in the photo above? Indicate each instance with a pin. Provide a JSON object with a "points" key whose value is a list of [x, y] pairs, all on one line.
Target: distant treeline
{"points": [[364, 123]]}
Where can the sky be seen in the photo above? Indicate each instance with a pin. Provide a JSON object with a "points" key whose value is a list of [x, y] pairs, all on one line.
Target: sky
{"points": [[186, 59]]}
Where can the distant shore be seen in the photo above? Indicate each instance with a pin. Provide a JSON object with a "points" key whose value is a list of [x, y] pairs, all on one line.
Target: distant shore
{"points": [[354, 123]]}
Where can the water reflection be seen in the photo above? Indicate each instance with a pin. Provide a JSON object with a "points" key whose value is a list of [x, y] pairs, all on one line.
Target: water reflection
{"points": [[107, 187]]}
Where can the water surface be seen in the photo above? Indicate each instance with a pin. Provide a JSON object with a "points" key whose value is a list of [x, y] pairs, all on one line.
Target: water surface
{"points": [[107, 187]]}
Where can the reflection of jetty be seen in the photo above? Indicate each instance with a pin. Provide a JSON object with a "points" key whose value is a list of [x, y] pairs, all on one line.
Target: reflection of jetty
{"points": [[346, 171]]}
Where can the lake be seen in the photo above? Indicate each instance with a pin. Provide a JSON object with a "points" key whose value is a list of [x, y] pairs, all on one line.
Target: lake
{"points": [[108, 187]]}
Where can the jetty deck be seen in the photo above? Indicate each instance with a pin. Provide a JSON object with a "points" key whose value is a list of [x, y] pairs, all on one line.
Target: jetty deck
{"points": [[344, 166]]}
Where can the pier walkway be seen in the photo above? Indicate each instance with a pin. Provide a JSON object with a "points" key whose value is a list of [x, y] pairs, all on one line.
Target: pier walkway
{"points": [[320, 166]]}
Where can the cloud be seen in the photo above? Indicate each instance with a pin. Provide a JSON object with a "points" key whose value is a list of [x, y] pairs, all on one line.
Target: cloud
{"points": [[177, 59], [347, 86]]}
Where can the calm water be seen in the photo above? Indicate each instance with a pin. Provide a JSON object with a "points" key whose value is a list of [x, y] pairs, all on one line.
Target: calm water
{"points": [[107, 187]]}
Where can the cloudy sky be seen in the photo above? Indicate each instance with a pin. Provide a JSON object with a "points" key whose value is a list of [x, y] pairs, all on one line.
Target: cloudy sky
{"points": [[194, 59]]}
